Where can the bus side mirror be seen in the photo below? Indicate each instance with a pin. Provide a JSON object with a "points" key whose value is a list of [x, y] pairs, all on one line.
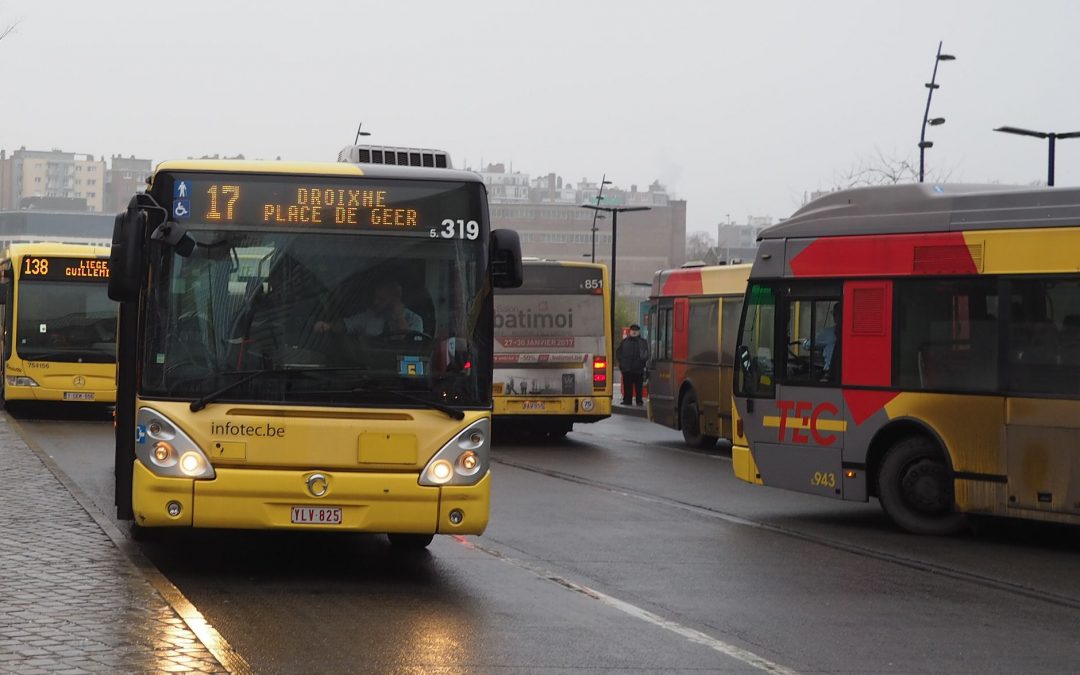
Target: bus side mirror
{"points": [[506, 268], [126, 255]]}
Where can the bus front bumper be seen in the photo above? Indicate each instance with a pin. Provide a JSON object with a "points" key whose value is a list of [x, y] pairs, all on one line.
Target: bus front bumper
{"points": [[742, 461], [265, 498], [50, 394]]}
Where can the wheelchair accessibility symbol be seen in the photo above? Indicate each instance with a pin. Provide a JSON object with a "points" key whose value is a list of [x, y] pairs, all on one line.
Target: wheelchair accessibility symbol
{"points": [[181, 208]]}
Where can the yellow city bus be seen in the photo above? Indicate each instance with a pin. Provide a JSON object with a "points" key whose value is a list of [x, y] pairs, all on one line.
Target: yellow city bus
{"points": [[59, 324], [694, 318], [552, 338], [308, 346], [919, 344]]}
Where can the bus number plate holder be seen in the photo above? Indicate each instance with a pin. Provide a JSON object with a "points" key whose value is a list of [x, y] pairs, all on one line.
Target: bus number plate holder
{"points": [[78, 396], [316, 515], [532, 405]]}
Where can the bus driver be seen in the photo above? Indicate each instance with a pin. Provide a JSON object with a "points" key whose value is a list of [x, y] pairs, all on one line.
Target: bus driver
{"points": [[387, 315]]}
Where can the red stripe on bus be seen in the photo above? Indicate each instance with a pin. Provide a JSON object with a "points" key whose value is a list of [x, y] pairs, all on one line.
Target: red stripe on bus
{"points": [[888, 255], [682, 282], [862, 404]]}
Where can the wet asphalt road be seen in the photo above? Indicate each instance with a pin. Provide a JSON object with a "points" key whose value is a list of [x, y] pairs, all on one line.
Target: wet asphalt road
{"points": [[619, 550]]}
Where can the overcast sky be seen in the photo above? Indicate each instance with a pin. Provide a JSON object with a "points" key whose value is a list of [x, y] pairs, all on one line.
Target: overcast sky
{"points": [[739, 108]]}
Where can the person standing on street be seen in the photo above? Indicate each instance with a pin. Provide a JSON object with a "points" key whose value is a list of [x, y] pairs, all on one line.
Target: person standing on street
{"points": [[632, 356]]}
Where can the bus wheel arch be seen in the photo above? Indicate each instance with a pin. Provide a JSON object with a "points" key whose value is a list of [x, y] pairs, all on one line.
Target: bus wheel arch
{"points": [[913, 480], [688, 419]]}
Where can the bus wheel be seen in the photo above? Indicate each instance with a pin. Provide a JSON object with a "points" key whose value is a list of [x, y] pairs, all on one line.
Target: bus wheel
{"points": [[557, 431], [409, 542], [916, 490], [143, 534], [690, 421]]}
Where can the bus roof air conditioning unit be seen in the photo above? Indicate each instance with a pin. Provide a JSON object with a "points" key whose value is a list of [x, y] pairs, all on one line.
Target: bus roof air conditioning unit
{"points": [[385, 154]]}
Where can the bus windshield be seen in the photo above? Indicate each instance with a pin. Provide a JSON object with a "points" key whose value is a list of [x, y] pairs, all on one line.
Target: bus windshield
{"points": [[72, 322], [326, 319]]}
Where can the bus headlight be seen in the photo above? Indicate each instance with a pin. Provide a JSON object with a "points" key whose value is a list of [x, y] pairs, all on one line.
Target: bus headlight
{"points": [[20, 381], [462, 461], [440, 472], [163, 454], [191, 463], [166, 450]]}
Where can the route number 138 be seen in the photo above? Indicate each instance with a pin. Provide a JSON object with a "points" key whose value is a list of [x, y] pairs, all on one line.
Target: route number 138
{"points": [[457, 229]]}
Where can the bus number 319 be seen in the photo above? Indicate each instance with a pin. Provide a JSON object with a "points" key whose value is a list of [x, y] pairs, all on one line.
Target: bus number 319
{"points": [[456, 229]]}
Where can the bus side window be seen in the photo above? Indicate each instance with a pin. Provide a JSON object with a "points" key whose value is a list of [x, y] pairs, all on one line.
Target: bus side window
{"points": [[1043, 336], [813, 340]]}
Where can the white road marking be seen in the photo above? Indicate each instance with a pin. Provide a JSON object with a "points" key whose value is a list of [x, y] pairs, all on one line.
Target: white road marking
{"points": [[695, 636]]}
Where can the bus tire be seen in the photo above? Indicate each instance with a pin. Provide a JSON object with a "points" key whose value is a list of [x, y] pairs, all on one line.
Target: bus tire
{"points": [[557, 431], [140, 533], [690, 422], [409, 542], [915, 488]]}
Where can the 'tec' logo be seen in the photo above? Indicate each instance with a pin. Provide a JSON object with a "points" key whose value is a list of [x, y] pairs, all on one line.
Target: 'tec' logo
{"points": [[803, 415]]}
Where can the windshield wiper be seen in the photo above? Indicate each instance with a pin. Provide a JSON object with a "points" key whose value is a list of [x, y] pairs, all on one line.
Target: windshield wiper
{"points": [[450, 411], [200, 403]]}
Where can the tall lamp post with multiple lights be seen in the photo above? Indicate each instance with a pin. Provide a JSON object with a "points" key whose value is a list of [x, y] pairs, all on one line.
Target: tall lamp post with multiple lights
{"points": [[614, 211], [927, 121], [1051, 136], [599, 198]]}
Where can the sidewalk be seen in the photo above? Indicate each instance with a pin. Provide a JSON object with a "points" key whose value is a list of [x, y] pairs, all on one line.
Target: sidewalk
{"points": [[618, 408], [633, 410], [70, 600]]}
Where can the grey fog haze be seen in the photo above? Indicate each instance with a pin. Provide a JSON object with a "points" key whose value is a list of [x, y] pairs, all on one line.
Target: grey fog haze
{"points": [[739, 108]]}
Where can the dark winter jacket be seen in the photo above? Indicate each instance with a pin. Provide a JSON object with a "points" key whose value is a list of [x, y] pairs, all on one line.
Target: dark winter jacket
{"points": [[632, 354]]}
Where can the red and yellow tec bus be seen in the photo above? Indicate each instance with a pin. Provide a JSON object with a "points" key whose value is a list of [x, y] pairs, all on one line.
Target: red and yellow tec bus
{"points": [[308, 346], [919, 344], [552, 337], [59, 324], [694, 319]]}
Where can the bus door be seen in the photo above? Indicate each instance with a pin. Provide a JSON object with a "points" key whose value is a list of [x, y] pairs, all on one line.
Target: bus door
{"points": [[661, 368], [789, 370], [1042, 418]]}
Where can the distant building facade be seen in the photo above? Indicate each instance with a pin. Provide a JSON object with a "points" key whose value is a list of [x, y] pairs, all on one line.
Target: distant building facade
{"points": [[125, 177], [547, 214], [30, 175], [738, 241]]}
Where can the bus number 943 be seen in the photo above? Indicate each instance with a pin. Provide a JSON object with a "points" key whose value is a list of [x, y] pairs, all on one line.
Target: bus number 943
{"points": [[456, 229], [823, 479]]}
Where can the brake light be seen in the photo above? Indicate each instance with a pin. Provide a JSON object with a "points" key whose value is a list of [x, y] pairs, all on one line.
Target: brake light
{"points": [[599, 377]]}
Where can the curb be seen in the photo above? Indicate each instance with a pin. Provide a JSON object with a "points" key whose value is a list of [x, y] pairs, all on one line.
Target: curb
{"points": [[629, 410], [218, 647]]}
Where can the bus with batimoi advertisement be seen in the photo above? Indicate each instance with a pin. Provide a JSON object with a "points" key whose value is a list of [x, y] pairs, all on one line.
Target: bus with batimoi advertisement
{"points": [[552, 338]]}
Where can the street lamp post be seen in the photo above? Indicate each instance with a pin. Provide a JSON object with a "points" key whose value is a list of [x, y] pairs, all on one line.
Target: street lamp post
{"points": [[926, 120], [360, 133], [599, 197], [1052, 136], [614, 211]]}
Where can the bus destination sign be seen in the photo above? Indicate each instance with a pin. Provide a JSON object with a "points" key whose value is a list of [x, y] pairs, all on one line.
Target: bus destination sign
{"points": [[56, 268], [437, 211]]}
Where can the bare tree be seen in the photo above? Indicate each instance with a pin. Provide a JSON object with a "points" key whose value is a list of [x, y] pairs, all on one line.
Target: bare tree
{"points": [[882, 169], [699, 245]]}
